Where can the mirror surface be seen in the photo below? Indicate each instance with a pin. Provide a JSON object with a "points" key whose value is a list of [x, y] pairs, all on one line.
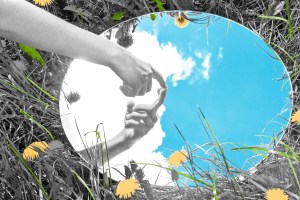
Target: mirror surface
{"points": [[209, 63]]}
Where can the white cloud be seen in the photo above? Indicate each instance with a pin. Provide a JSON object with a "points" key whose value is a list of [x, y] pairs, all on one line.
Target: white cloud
{"points": [[198, 54], [206, 65], [102, 101], [220, 55], [164, 57], [186, 71]]}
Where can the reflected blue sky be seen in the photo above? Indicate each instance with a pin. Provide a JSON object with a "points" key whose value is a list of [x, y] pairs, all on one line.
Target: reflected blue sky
{"points": [[224, 68], [239, 95]]}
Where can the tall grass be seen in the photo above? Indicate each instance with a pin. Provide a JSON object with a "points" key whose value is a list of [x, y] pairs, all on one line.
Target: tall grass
{"points": [[38, 93]]}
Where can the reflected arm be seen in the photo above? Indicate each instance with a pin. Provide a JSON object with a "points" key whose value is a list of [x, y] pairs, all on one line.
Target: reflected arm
{"points": [[115, 146], [139, 120]]}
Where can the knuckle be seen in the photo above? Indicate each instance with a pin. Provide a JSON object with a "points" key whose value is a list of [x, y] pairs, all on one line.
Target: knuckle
{"points": [[155, 118], [126, 123]]}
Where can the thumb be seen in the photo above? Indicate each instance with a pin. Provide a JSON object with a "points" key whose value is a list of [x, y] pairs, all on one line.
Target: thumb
{"points": [[130, 105]]}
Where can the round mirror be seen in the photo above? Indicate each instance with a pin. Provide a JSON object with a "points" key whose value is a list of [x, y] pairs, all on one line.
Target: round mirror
{"points": [[226, 88]]}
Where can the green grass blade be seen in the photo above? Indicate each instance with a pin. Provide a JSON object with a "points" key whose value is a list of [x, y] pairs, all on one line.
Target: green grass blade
{"points": [[289, 21], [218, 144], [295, 155], [215, 186], [102, 153], [273, 17], [31, 96], [294, 171], [295, 74], [84, 184], [255, 149], [41, 89], [30, 171], [23, 112], [106, 149], [285, 52], [297, 56], [252, 148], [222, 152]]}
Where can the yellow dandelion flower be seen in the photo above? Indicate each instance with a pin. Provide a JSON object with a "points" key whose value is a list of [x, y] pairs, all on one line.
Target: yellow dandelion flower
{"points": [[30, 153], [180, 21], [276, 194], [127, 188], [177, 158], [296, 117], [43, 2]]}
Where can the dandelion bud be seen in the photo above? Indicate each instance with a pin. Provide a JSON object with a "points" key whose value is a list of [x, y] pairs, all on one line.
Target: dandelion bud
{"points": [[133, 165], [128, 172], [174, 175], [139, 173]]}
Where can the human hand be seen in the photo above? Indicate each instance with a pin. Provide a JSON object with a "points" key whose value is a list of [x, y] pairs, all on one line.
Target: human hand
{"points": [[136, 75], [140, 118]]}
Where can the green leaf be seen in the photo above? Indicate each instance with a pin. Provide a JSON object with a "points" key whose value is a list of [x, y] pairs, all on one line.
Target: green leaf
{"points": [[118, 15], [33, 53], [153, 16], [159, 5]]}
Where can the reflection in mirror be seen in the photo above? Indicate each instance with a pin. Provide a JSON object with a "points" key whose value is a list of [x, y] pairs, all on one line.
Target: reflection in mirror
{"points": [[226, 88]]}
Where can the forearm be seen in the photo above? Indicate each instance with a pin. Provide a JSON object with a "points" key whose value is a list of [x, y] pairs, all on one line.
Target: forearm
{"points": [[25, 23], [115, 146]]}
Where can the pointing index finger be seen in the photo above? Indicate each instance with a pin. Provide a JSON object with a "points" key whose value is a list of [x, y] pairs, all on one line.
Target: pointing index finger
{"points": [[156, 75]]}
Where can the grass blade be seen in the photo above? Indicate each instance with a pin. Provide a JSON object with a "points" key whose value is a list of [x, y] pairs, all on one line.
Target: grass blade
{"points": [[215, 186], [284, 51], [84, 184], [110, 181], [41, 89], [289, 21], [294, 171], [218, 144], [23, 112], [31, 96], [252, 148], [273, 17]]}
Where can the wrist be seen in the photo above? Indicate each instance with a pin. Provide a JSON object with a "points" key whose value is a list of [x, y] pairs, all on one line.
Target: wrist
{"points": [[119, 58], [128, 136]]}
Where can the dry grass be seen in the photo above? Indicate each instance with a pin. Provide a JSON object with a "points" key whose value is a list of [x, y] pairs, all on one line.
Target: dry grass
{"points": [[59, 170]]}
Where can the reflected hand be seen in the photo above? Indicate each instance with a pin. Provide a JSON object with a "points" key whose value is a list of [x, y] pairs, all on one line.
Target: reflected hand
{"points": [[140, 118]]}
